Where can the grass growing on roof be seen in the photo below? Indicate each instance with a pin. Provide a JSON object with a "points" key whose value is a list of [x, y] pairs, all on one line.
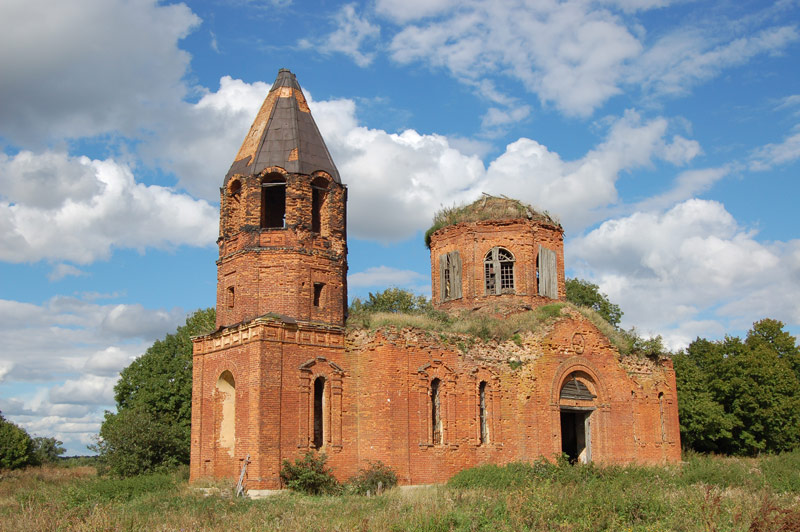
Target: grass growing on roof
{"points": [[486, 208], [486, 327]]}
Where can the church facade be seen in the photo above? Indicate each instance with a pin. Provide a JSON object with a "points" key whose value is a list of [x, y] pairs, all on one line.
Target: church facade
{"points": [[282, 374]]}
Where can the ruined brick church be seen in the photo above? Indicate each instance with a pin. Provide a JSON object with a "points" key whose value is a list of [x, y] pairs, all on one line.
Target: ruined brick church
{"points": [[282, 374]]}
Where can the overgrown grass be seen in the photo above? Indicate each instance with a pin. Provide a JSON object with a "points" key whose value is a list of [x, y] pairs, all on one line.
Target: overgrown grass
{"points": [[705, 494], [486, 208], [481, 326], [485, 327]]}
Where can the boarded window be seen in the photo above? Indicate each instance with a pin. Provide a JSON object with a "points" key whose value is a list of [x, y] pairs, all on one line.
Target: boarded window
{"points": [[436, 412], [318, 293], [273, 202], [450, 276], [498, 266], [319, 191], [483, 418], [547, 273], [319, 410]]}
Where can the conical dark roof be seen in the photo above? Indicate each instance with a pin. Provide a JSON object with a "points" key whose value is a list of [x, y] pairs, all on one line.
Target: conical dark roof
{"points": [[284, 134]]}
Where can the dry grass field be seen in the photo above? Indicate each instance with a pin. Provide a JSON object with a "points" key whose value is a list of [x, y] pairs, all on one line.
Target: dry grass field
{"points": [[703, 494]]}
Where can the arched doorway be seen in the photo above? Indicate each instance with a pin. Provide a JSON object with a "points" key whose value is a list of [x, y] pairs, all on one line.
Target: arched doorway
{"points": [[577, 405]]}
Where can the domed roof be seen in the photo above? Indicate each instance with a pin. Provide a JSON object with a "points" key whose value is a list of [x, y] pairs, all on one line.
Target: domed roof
{"points": [[487, 207]]}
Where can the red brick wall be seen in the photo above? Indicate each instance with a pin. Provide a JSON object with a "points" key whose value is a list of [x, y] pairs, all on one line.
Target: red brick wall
{"points": [[473, 240], [378, 402], [274, 270]]}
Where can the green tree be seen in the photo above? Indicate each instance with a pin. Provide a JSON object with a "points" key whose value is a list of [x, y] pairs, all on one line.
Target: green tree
{"points": [[704, 424], [16, 446], [154, 394], [740, 397], [392, 300], [586, 294], [47, 450]]}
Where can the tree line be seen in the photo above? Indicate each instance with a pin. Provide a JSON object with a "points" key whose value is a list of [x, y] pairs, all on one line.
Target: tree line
{"points": [[735, 396]]}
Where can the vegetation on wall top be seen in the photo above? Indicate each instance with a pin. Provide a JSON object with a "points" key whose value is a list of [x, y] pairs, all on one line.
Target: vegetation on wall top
{"points": [[486, 208]]}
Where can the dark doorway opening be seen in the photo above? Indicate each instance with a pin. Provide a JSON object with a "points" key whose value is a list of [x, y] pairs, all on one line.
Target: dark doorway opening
{"points": [[576, 435]]}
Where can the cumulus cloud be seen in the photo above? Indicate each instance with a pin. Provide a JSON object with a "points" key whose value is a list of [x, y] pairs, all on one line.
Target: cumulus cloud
{"points": [[73, 349], [85, 68], [89, 336], [670, 270], [89, 389], [199, 140], [399, 180], [82, 223]]}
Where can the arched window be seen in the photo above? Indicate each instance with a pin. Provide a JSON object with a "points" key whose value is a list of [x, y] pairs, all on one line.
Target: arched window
{"points": [[226, 390], [319, 191], [273, 202], [319, 412], [436, 412], [482, 416], [499, 271]]}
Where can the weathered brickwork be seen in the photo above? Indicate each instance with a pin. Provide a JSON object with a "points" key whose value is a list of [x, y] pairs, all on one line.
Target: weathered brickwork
{"points": [[263, 270], [282, 375], [474, 240]]}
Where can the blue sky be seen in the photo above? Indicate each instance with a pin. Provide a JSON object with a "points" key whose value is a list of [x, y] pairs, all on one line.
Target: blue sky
{"points": [[665, 135]]}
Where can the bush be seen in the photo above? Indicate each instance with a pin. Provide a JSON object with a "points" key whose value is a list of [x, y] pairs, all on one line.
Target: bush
{"points": [[47, 450], [133, 442], [16, 446], [373, 479], [309, 475]]}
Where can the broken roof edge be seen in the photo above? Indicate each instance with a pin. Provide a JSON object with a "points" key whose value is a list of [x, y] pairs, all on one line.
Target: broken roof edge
{"points": [[487, 208]]}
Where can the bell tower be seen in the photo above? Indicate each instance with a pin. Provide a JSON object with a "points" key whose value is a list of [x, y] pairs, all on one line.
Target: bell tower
{"points": [[282, 237]]}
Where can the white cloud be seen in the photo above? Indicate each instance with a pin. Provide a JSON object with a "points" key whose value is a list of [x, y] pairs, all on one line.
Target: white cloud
{"points": [[199, 141], [85, 68], [772, 155], [89, 389], [692, 264], [499, 117], [353, 32], [684, 58], [398, 181], [81, 224], [575, 55], [407, 10], [384, 276], [65, 270], [74, 350], [108, 362], [90, 337], [687, 185], [568, 53]]}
